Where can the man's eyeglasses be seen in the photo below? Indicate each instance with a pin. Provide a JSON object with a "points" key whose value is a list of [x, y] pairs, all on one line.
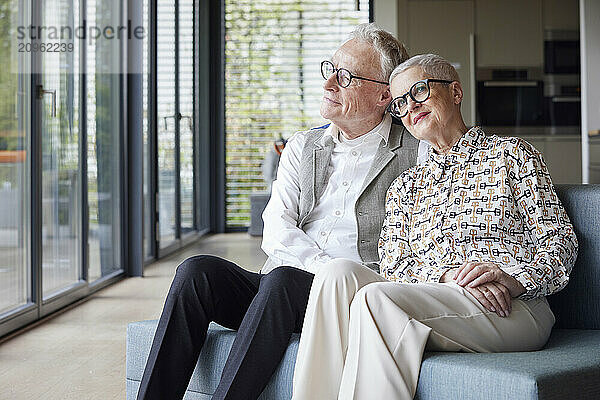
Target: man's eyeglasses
{"points": [[343, 76], [419, 92]]}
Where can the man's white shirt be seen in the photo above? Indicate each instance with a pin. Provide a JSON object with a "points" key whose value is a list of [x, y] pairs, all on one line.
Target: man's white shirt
{"points": [[330, 230]]}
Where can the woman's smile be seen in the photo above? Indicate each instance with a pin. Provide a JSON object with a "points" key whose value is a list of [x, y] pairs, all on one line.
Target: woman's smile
{"points": [[420, 116]]}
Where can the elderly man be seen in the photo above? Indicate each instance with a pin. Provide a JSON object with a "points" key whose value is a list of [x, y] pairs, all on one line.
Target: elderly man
{"points": [[473, 240], [327, 203]]}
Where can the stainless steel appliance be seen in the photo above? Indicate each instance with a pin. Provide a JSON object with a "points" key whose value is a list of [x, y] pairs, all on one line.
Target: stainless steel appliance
{"points": [[563, 110], [561, 52], [510, 103], [562, 96]]}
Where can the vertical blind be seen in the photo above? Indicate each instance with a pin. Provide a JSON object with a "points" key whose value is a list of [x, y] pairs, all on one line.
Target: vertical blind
{"points": [[273, 84]]}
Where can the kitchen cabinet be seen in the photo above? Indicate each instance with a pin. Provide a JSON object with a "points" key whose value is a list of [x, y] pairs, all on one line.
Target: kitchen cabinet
{"points": [[595, 149], [590, 87], [561, 15], [509, 33], [426, 20], [562, 154], [594, 174], [594, 168]]}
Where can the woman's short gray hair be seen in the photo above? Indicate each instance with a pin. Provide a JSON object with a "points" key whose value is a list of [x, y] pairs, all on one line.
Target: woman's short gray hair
{"points": [[391, 51], [432, 64]]}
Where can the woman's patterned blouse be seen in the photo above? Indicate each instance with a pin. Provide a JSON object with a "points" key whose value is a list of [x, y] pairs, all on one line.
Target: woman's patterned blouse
{"points": [[488, 199]]}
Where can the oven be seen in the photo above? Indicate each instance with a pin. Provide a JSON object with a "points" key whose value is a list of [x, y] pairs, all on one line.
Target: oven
{"points": [[561, 52], [510, 103]]}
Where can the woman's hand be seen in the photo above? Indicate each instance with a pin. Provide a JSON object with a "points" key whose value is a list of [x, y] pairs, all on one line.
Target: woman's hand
{"points": [[474, 274], [488, 283], [493, 296]]}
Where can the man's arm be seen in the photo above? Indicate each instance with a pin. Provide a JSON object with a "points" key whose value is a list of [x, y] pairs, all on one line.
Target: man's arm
{"points": [[283, 241]]}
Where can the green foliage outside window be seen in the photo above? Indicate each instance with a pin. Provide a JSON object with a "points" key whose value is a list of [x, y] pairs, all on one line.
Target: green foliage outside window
{"points": [[268, 92]]}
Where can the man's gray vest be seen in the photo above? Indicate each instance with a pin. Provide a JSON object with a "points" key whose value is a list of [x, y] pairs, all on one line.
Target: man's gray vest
{"points": [[390, 160]]}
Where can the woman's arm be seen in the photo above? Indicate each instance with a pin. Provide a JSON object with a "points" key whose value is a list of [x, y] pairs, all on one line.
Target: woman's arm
{"points": [[555, 243], [544, 219]]}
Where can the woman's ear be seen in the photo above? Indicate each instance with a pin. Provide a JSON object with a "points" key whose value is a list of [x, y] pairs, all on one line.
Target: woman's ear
{"points": [[457, 92]]}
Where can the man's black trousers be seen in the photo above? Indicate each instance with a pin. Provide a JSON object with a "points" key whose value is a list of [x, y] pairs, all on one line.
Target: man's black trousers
{"points": [[264, 309]]}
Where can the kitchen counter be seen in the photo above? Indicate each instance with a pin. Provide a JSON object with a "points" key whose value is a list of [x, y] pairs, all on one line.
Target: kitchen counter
{"points": [[531, 131], [561, 149]]}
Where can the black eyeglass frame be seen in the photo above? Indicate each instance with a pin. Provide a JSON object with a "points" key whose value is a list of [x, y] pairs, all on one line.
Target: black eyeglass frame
{"points": [[336, 71], [409, 93]]}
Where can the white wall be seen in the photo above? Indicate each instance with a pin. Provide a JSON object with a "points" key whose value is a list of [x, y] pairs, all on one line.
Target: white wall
{"points": [[386, 15]]}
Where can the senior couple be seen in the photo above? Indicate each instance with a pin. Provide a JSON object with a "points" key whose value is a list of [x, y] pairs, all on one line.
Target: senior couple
{"points": [[457, 256]]}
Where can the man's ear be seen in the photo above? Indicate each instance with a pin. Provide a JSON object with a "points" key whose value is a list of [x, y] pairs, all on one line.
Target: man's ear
{"points": [[385, 97], [456, 91]]}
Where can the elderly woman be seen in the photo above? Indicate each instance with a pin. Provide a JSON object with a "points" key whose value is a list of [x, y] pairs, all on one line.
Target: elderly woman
{"points": [[473, 240]]}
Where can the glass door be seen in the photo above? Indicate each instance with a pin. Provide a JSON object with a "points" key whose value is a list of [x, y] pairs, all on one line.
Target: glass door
{"points": [[166, 124], [103, 111], [15, 158], [175, 122], [61, 153], [186, 110], [58, 90]]}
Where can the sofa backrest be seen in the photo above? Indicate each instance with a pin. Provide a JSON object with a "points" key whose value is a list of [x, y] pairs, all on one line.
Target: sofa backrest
{"points": [[578, 305]]}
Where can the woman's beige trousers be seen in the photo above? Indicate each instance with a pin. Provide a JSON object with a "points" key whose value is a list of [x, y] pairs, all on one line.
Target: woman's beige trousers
{"points": [[364, 337]]}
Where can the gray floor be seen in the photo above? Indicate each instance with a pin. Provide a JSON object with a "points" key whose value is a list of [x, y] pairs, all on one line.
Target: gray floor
{"points": [[80, 354]]}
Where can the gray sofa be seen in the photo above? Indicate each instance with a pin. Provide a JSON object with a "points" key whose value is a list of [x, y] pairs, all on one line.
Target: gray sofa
{"points": [[567, 368]]}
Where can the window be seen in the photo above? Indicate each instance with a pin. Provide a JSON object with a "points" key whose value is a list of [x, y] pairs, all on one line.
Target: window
{"points": [[175, 124], [273, 85], [15, 114], [103, 138], [60, 150]]}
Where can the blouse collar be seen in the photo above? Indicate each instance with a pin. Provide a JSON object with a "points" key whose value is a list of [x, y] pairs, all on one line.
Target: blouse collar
{"points": [[462, 150]]}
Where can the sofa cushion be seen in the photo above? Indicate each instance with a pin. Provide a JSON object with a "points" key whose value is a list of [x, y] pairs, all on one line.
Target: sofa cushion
{"points": [[578, 305], [569, 366], [133, 387], [210, 364]]}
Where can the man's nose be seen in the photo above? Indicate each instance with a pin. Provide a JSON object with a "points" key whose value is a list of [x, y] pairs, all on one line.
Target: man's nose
{"points": [[331, 83]]}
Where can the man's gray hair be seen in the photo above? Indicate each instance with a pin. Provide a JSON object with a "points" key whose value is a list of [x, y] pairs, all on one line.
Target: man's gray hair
{"points": [[433, 65], [391, 51]]}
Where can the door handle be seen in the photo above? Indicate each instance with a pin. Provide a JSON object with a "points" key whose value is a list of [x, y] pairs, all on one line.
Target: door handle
{"points": [[40, 95], [165, 119], [189, 120], [178, 117]]}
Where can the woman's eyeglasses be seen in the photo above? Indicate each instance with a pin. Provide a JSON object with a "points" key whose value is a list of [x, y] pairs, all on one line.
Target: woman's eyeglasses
{"points": [[419, 92]]}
